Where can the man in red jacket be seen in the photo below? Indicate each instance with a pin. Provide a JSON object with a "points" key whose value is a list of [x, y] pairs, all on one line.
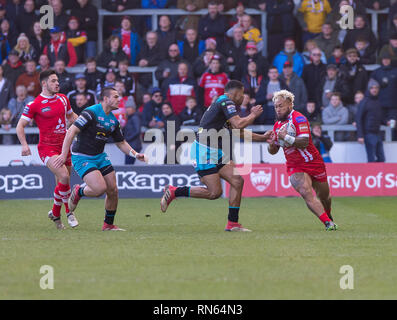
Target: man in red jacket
{"points": [[59, 48], [180, 88]]}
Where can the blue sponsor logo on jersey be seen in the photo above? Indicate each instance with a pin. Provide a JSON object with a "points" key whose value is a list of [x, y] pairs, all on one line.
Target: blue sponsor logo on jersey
{"points": [[231, 109], [45, 109], [26, 110], [300, 119]]}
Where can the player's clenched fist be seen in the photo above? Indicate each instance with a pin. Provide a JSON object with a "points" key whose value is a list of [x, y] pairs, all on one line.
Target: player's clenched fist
{"points": [[257, 110], [270, 136], [26, 151]]}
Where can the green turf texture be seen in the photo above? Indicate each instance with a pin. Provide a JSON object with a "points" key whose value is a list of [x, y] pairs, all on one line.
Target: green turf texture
{"points": [[185, 254]]}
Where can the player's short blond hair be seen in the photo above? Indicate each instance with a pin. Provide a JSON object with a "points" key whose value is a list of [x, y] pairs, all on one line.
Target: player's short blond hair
{"points": [[285, 94]]}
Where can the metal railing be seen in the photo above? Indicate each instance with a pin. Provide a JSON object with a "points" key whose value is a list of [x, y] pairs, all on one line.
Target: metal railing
{"points": [[81, 68], [331, 129]]}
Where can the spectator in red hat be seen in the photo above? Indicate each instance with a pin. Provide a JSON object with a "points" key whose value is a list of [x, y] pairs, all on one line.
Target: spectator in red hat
{"points": [[251, 54], [212, 83], [296, 85], [77, 38]]}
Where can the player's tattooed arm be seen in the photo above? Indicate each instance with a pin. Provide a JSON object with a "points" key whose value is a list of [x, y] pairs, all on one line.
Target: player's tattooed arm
{"points": [[301, 142]]}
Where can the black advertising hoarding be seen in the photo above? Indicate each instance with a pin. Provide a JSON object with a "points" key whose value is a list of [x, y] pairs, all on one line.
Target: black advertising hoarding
{"points": [[37, 182]]}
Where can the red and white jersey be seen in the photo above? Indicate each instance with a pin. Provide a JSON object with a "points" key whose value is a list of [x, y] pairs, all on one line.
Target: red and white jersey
{"points": [[214, 85], [295, 156], [50, 116]]}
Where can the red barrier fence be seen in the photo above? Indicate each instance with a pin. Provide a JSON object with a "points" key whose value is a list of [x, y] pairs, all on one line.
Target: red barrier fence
{"points": [[345, 180]]}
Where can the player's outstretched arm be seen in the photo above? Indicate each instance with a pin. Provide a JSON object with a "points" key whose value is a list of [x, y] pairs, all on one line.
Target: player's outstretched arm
{"points": [[240, 123], [249, 135], [129, 151], [67, 142], [20, 129]]}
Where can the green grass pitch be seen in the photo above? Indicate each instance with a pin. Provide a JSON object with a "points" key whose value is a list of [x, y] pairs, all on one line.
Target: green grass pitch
{"points": [[185, 254]]}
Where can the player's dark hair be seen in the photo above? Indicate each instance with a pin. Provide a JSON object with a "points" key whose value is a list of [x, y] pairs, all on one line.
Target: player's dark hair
{"points": [[46, 74], [233, 84], [106, 92]]}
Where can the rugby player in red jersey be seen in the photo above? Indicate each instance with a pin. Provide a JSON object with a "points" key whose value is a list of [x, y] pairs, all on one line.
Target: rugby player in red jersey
{"points": [[305, 166], [51, 111]]}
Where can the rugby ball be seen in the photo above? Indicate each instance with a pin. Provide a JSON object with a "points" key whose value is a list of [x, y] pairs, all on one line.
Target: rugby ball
{"points": [[291, 131]]}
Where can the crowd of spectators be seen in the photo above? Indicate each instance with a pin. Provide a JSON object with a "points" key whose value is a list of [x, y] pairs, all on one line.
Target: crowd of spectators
{"points": [[307, 52]]}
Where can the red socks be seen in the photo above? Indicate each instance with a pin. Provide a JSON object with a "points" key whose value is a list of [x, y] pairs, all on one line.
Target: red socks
{"points": [[56, 208], [61, 194], [324, 217]]}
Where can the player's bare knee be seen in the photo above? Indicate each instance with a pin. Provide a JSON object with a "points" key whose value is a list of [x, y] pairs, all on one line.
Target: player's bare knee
{"points": [[215, 194], [112, 192], [238, 182]]}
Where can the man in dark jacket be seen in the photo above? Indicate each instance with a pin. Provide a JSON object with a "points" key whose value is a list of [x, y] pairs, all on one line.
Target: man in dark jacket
{"points": [[81, 87], [354, 73], [150, 55], [26, 18], [191, 47], [331, 82], [279, 24], [235, 49], [360, 30], [65, 78], [369, 119], [13, 68], [7, 89], [313, 73], [166, 33], [87, 13], [265, 93], [151, 114], [60, 17], [327, 40], [132, 132], [192, 113], [168, 68], [92, 74], [213, 24], [386, 76]]}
